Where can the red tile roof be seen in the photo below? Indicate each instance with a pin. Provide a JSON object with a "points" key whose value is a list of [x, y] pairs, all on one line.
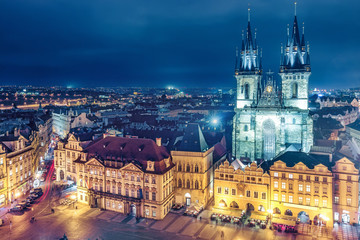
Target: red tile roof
{"points": [[127, 150]]}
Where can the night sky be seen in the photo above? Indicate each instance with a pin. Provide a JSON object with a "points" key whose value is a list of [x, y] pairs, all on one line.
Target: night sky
{"points": [[183, 43]]}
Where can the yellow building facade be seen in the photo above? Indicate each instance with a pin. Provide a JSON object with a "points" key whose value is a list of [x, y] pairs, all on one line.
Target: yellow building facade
{"points": [[294, 186], [244, 190]]}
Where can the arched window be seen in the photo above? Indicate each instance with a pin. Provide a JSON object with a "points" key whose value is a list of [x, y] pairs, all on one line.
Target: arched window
{"points": [[188, 168], [188, 183], [294, 90], [179, 183], [196, 168], [196, 184], [179, 168], [247, 90]]}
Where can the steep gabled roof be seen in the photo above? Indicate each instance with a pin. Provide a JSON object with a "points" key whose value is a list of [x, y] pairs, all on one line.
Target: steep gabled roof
{"points": [[193, 140]]}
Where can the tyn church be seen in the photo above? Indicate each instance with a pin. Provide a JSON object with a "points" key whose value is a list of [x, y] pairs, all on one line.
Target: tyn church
{"points": [[270, 118]]}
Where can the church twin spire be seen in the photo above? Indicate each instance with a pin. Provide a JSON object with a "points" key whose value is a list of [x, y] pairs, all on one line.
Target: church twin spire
{"points": [[249, 59], [296, 55]]}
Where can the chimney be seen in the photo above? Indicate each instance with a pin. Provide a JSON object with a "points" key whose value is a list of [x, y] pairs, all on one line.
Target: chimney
{"points": [[15, 132], [330, 157], [7, 133], [158, 142]]}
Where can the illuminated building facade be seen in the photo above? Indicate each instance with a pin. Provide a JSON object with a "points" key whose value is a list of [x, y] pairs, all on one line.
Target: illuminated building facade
{"points": [[267, 120], [238, 189], [293, 186], [127, 175], [16, 164], [194, 172]]}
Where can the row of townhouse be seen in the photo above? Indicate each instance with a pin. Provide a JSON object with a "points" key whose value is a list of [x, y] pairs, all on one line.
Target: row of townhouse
{"points": [[293, 186]]}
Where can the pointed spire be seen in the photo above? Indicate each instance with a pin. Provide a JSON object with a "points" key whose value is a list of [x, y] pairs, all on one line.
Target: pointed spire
{"points": [[288, 36], [295, 7], [243, 43], [236, 58], [303, 38], [248, 14]]}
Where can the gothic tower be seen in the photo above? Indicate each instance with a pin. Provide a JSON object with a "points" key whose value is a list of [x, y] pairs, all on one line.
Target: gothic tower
{"points": [[248, 70], [295, 68]]}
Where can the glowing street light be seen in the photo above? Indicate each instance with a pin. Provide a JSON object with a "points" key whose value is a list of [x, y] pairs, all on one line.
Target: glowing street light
{"points": [[215, 121]]}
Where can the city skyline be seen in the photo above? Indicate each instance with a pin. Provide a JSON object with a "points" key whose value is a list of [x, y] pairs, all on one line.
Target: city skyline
{"points": [[139, 44]]}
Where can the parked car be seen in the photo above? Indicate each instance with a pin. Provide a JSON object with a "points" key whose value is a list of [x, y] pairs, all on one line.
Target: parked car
{"points": [[25, 203], [16, 209], [30, 200]]}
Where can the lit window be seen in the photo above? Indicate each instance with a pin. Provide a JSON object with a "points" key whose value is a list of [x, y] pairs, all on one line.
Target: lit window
{"points": [[308, 188], [348, 201], [226, 190], [290, 175], [300, 187], [283, 198], [276, 174], [108, 173], [233, 191], [290, 199], [283, 185], [276, 196], [324, 203], [263, 195], [307, 201], [256, 195], [276, 184], [316, 202], [300, 200], [154, 213], [336, 199]]}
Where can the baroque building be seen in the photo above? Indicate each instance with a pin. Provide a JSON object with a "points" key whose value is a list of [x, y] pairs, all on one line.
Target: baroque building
{"points": [[268, 118], [127, 175]]}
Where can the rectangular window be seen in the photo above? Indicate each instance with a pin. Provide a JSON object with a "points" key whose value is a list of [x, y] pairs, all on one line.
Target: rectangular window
{"points": [[127, 192], [324, 203], [349, 178], [153, 181], [316, 202], [290, 186], [219, 190], [290, 199], [247, 193], [256, 195], [226, 191], [324, 190], [300, 188], [283, 198], [154, 196], [108, 173], [300, 200], [324, 179], [316, 179], [307, 188], [316, 189], [119, 174], [263, 195], [336, 199], [290, 175], [113, 174], [276, 174], [147, 195], [283, 175], [308, 178], [308, 201], [154, 213], [348, 201], [119, 190], [283, 185], [336, 187], [348, 189], [233, 191], [276, 196], [300, 177], [276, 184]]}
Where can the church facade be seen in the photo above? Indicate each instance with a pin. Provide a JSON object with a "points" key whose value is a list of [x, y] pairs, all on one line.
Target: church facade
{"points": [[268, 117]]}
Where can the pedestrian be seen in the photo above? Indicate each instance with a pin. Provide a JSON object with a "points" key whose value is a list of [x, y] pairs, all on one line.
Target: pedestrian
{"points": [[222, 234], [10, 225]]}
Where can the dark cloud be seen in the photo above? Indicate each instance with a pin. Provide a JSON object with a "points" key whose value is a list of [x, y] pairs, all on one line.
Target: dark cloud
{"points": [[159, 43]]}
